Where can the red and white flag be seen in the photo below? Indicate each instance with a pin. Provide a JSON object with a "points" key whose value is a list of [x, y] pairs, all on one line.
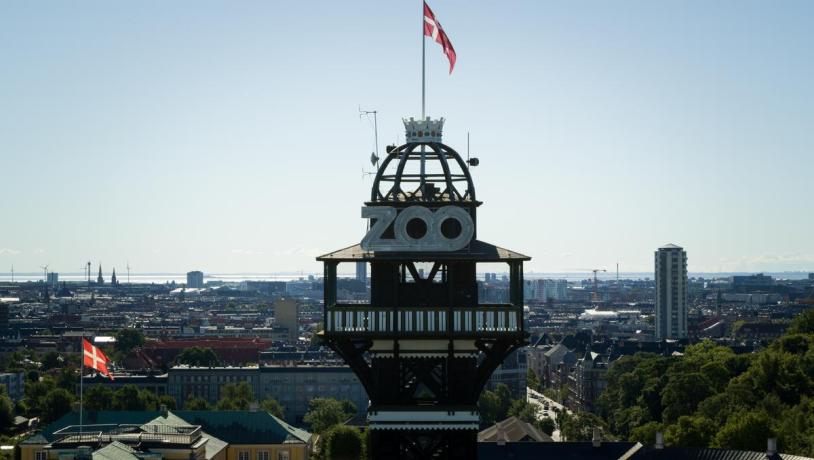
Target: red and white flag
{"points": [[432, 28], [95, 358]]}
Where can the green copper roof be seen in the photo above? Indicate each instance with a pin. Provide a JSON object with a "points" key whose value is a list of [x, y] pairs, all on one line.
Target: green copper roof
{"points": [[245, 427]]}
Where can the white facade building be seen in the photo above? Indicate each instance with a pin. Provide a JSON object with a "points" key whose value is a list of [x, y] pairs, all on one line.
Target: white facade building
{"points": [[554, 289], [671, 292]]}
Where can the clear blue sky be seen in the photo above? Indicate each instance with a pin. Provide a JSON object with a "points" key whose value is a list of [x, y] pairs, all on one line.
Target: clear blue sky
{"points": [[224, 136]]}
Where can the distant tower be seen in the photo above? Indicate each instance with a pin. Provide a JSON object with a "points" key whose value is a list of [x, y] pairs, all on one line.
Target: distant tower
{"points": [[113, 280], [100, 279], [671, 292], [361, 271], [195, 280]]}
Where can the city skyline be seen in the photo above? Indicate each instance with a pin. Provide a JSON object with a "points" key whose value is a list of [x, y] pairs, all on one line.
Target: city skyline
{"points": [[194, 137]]}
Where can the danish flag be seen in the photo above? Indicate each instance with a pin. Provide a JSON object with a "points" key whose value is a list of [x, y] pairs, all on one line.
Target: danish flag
{"points": [[95, 358], [432, 28]]}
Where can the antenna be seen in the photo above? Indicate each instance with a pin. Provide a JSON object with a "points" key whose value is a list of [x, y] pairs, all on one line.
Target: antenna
{"points": [[45, 272], [470, 161], [128, 272], [12, 273], [374, 157]]}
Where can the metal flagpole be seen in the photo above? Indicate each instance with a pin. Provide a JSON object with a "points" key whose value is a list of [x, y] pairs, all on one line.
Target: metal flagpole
{"points": [[81, 385], [423, 64]]}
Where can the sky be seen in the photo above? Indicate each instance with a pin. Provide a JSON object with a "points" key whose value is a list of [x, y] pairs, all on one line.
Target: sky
{"points": [[226, 136]]}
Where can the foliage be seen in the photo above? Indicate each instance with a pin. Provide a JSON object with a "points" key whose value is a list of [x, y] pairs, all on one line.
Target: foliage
{"points": [[710, 397], [128, 339], [272, 406], [198, 356], [56, 403], [197, 404], [235, 396], [98, 397], [546, 425], [532, 381], [523, 410], [51, 360], [579, 426], [6, 413], [324, 413], [489, 406], [342, 442]]}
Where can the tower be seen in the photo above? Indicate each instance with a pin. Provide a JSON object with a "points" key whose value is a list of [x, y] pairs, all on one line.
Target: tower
{"points": [[113, 281], [671, 292], [424, 347], [100, 280]]}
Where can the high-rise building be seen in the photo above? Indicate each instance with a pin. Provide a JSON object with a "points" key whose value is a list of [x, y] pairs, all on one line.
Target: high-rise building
{"points": [[671, 292], [361, 271], [53, 279], [195, 280], [553, 289], [285, 315]]}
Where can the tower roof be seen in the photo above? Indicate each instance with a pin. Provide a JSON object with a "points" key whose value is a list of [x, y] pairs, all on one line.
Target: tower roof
{"points": [[670, 246], [476, 250]]}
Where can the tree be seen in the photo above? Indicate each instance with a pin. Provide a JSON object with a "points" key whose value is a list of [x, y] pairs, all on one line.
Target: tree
{"points": [[523, 410], [341, 442], [51, 360], [646, 434], [128, 339], [272, 406], [690, 432], [546, 425], [489, 406], [128, 397], [579, 426], [324, 413], [744, 431], [803, 323], [168, 401], [197, 404], [98, 397], [532, 381], [235, 396], [505, 396], [198, 356], [6, 413], [56, 403]]}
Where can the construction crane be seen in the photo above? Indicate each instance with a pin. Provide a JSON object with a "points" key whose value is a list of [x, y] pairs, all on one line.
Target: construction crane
{"points": [[595, 295]]}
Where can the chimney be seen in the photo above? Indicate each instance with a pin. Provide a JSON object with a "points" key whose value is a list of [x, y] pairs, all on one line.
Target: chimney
{"points": [[659, 440], [597, 437], [164, 411], [771, 447]]}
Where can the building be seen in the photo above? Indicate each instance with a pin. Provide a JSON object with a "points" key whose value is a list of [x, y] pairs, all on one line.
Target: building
{"points": [[587, 382], [747, 283], [361, 272], [512, 373], [195, 280], [295, 386], [170, 435], [286, 314], [425, 345], [553, 289], [671, 292], [513, 430], [53, 279], [14, 383], [186, 382]]}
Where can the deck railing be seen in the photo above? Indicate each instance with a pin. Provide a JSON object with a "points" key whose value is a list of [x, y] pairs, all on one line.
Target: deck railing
{"points": [[369, 320]]}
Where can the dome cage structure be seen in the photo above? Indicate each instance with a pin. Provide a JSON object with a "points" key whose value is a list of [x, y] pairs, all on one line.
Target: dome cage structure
{"points": [[424, 170]]}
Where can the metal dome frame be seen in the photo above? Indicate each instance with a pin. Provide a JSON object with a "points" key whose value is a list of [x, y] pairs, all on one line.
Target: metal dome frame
{"points": [[429, 151]]}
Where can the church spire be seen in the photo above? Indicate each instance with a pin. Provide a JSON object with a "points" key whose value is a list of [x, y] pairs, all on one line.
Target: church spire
{"points": [[100, 279], [113, 280]]}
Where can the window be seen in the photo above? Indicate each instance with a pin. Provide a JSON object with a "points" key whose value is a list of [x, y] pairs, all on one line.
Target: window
{"points": [[283, 455], [243, 455], [263, 455], [42, 455]]}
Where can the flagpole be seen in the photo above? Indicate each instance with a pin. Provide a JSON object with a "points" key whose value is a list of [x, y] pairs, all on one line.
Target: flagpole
{"points": [[423, 62], [81, 385]]}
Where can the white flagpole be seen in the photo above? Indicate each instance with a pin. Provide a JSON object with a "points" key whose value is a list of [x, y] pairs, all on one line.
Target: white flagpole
{"points": [[423, 64]]}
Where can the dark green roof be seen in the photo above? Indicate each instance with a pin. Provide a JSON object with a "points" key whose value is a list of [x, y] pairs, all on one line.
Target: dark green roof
{"points": [[245, 427], [92, 418]]}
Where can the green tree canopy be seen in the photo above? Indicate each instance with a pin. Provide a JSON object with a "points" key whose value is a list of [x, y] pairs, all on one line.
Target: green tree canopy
{"points": [[198, 356], [341, 442], [197, 404], [56, 403], [98, 397], [324, 413], [128, 339], [272, 406], [489, 406]]}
